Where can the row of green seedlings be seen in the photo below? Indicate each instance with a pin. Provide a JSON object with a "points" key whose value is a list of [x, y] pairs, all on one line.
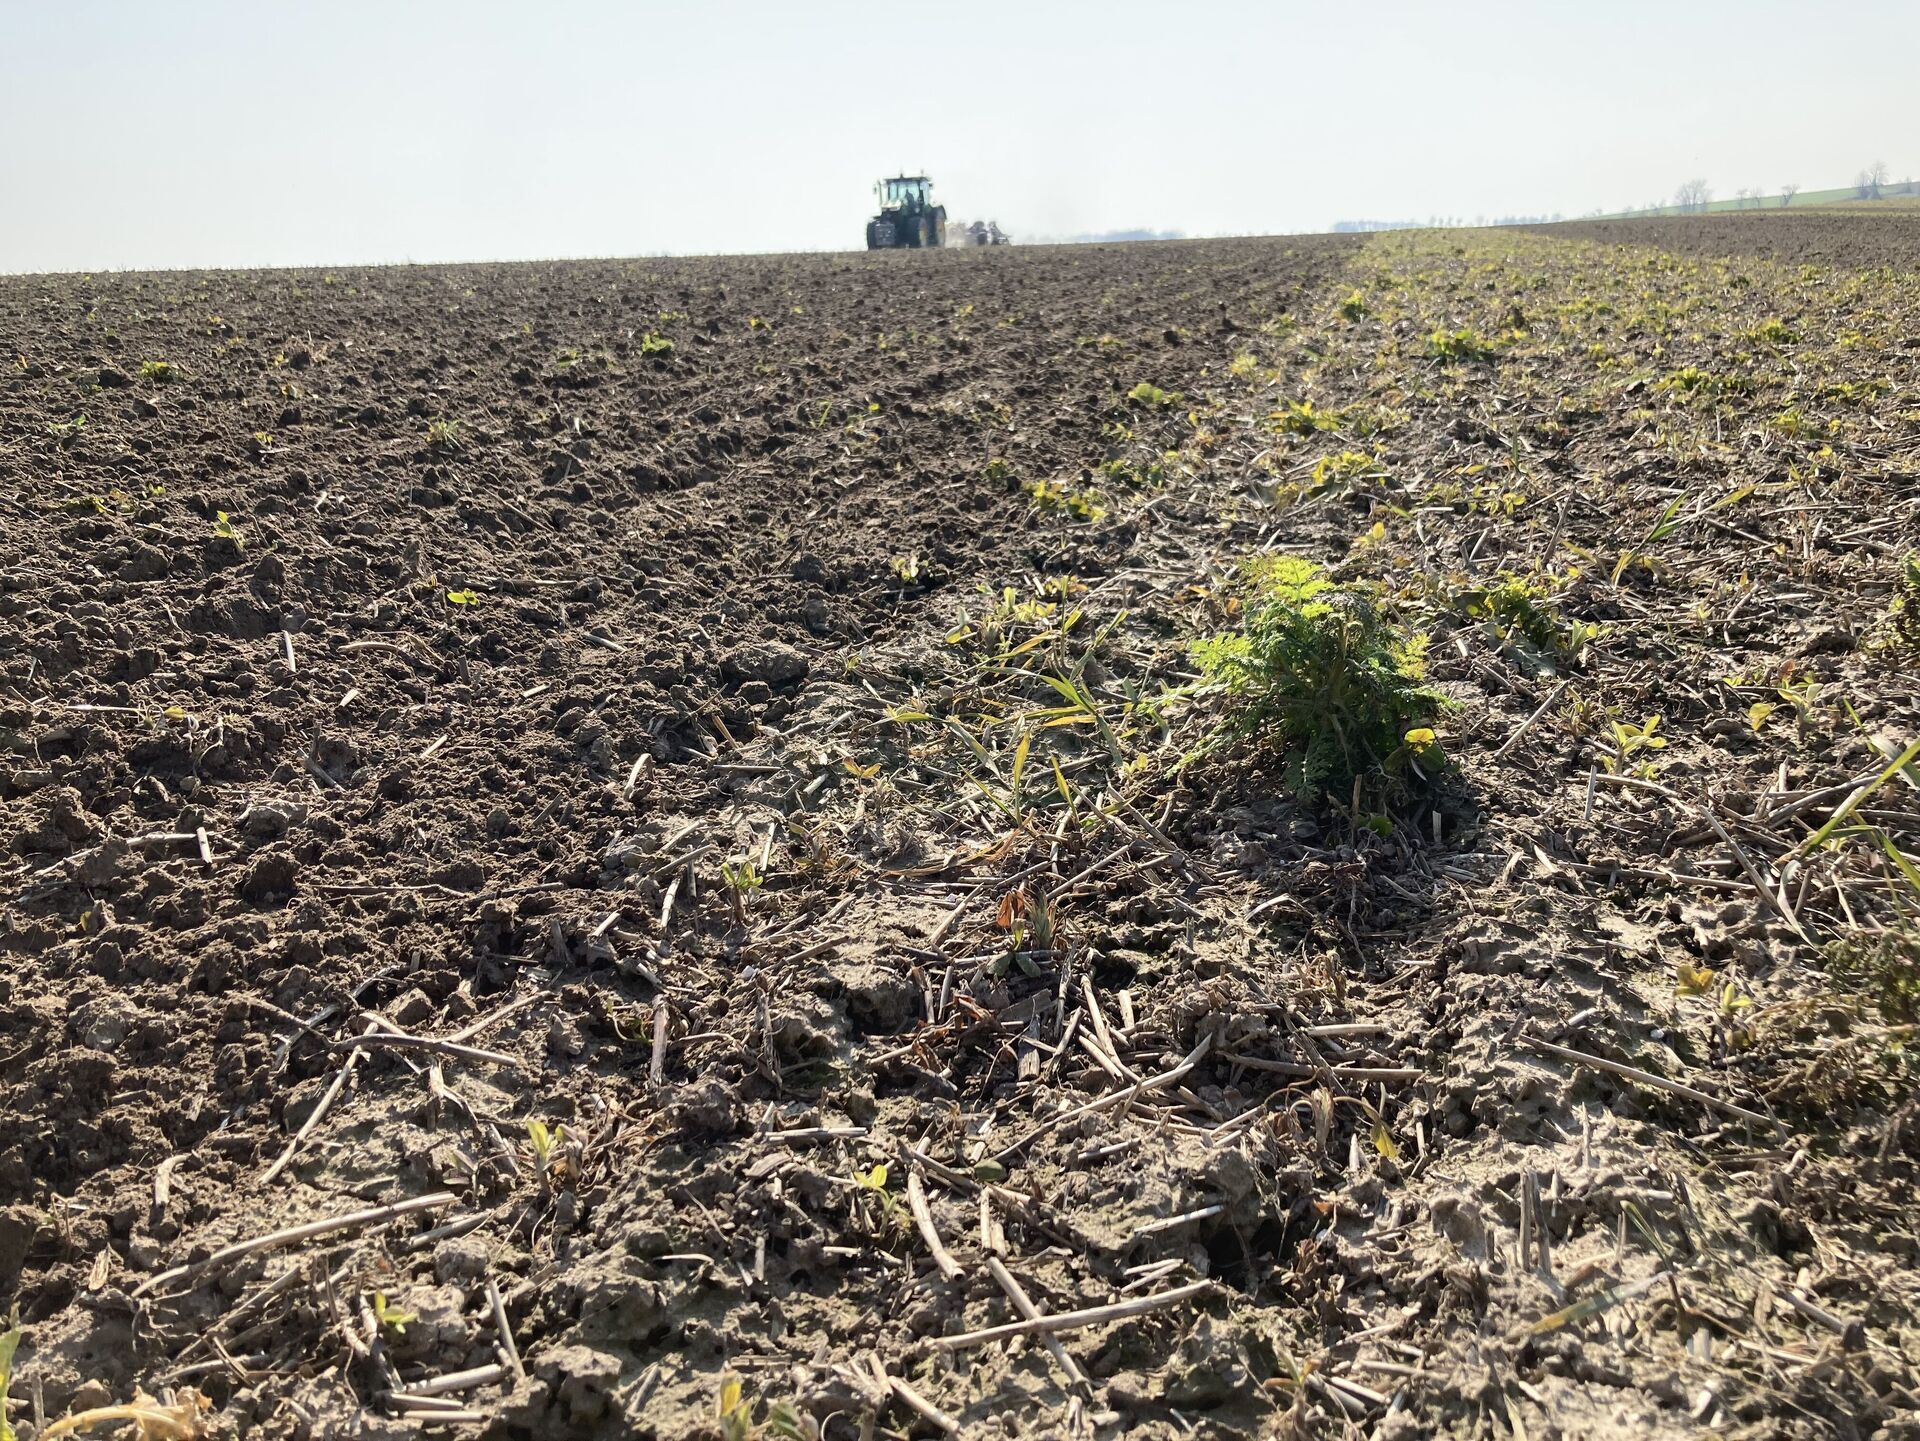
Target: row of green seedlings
{"points": [[1316, 676]]}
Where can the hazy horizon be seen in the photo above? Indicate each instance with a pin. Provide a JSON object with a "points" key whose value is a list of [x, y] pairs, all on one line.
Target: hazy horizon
{"points": [[214, 134]]}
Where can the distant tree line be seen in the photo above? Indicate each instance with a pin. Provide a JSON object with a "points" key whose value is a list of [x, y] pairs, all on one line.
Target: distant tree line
{"points": [[1694, 196]]}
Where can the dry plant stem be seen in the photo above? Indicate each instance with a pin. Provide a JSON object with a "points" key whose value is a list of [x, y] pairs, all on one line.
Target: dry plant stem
{"points": [[293, 1235], [966, 1184], [1341, 1073], [504, 1332], [152, 1421], [493, 1018], [1760, 883], [422, 1406], [462, 1417], [399, 1041], [1075, 1320], [945, 928], [917, 1403], [657, 1068], [923, 1218], [1647, 1078], [1108, 1102], [1023, 1303], [321, 1107], [1815, 1312], [1173, 1223], [232, 1319], [455, 1381], [1527, 724]]}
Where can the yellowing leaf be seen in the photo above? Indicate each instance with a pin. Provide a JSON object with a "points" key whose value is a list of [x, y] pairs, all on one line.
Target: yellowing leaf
{"points": [[1692, 980], [1421, 739], [392, 1317], [1758, 712], [463, 597], [1383, 1142], [1060, 782]]}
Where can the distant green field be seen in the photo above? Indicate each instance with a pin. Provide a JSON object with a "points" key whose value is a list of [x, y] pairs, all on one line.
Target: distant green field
{"points": [[1801, 200]]}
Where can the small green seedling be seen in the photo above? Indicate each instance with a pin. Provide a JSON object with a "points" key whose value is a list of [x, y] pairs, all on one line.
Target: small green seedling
{"points": [[1906, 604], [1152, 396], [443, 434], [1303, 417], [1030, 926], [543, 1142], [1459, 347], [874, 1183], [160, 372], [1630, 739], [1080, 503], [651, 344], [1670, 520], [741, 878], [1771, 331], [1691, 979], [392, 1320], [1348, 468], [463, 597], [224, 527], [782, 1421]]}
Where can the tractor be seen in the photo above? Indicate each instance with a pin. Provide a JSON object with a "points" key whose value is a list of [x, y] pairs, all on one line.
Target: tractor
{"points": [[908, 218]]}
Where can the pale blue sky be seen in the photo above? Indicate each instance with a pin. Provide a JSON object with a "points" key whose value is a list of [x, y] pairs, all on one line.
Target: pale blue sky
{"points": [[243, 132]]}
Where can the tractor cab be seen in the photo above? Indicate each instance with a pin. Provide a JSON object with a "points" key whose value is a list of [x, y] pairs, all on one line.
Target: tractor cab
{"points": [[909, 193], [908, 218]]}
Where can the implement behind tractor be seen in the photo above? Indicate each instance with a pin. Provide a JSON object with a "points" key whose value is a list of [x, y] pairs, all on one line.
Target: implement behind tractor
{"points": [[908, 218]]}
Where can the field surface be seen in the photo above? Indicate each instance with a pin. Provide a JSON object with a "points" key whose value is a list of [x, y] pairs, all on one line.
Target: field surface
{"points": [[1886, 233], [1311, 836]]}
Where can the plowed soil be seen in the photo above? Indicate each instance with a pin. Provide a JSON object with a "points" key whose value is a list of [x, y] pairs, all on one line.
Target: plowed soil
{"points": [[1792, 237], [635, 848]]}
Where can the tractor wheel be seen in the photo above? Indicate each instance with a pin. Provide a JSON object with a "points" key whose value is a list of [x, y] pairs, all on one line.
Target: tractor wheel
{"points": [[939, 232], [922, 233]]}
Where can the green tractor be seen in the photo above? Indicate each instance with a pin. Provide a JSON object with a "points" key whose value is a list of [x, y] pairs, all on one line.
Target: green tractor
{"points": [[908, 218]]}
